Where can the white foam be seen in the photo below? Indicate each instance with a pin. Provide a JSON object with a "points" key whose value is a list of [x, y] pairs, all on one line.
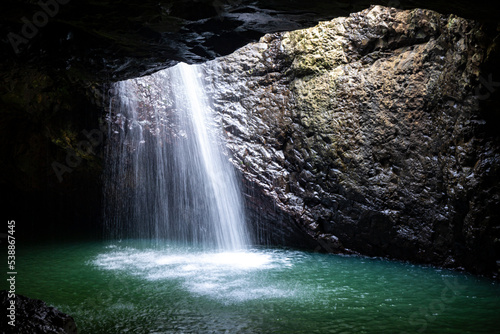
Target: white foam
{"points": [[226, 276]]}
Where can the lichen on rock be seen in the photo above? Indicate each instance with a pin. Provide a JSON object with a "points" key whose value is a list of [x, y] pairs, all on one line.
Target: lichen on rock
{"points": [[367, 130]]}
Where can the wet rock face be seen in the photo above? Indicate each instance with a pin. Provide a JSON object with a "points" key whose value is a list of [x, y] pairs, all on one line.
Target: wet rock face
{"points": [[370, 132], [34, 316]]}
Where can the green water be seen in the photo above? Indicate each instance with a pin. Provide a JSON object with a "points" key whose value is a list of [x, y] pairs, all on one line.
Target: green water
{"points": [[137, 287]]}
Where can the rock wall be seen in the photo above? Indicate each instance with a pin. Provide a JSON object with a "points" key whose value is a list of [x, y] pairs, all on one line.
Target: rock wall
{"points": [[370, 134], [50, 169]]}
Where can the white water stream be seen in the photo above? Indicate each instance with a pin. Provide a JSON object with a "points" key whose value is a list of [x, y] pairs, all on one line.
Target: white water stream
{"points": [[167, 176]]}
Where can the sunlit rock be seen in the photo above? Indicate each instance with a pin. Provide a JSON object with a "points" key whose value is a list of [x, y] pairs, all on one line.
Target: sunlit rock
{"points": [[373, 134]]}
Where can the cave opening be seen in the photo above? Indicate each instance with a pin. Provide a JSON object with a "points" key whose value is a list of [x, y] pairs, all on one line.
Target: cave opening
{"points": [[361, 137]]}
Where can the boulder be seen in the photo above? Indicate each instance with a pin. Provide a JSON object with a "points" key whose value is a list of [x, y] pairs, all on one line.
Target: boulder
{"points": [[375, 130]]}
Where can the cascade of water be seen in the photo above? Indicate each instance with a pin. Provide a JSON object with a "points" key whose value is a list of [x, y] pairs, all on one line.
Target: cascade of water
{"points": [[166, 175]]}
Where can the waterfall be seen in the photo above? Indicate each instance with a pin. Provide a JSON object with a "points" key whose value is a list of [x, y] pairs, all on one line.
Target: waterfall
{"points": [[167, 175]]}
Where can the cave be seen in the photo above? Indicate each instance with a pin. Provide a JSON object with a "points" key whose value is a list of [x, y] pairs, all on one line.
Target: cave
{"points": [[354, 153]]}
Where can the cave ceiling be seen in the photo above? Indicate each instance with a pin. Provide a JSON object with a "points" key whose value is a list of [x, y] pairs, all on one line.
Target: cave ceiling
{"points": [[112, 40]]}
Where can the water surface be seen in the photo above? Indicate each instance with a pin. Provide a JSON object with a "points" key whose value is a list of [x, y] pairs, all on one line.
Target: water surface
{"points": [[143, 287]]}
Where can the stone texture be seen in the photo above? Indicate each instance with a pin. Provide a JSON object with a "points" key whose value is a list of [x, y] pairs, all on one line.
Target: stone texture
{"points": [[370, 132], [35, 316]]}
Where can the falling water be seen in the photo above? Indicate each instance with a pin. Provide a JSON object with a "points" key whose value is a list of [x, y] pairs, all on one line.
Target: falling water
{"points": [[167, 175]]}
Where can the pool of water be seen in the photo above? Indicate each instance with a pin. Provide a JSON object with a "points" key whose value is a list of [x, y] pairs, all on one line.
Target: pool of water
{"points": [[143, 287]]}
